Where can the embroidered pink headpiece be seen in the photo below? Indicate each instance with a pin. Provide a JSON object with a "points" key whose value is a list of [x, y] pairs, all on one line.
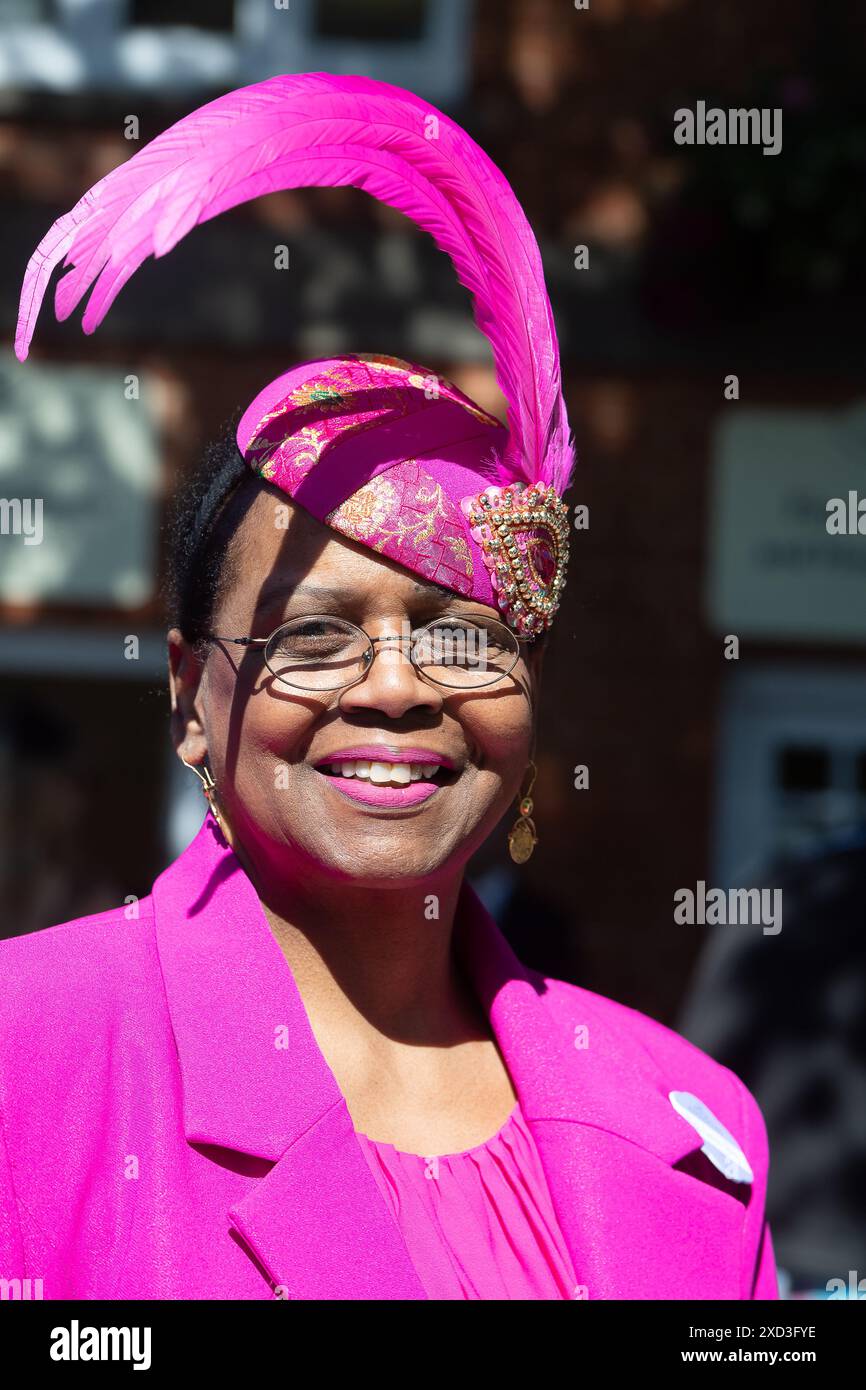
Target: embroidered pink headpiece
{"points": [[382, 450]]}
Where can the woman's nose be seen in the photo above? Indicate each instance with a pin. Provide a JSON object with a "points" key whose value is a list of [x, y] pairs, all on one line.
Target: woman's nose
{"points": [[392, 684]]}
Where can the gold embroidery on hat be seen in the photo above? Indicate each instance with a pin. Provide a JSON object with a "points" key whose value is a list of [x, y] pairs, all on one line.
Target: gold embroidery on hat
{"points": [[511, 525], [377, 517], [365, 511]]}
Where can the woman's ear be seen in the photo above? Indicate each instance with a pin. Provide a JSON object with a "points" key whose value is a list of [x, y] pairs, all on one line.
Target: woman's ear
{"points": [[185, 669]]}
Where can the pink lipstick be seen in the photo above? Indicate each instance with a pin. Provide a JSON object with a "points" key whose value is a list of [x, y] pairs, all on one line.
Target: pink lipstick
{"points": [[371, 795], [386, 775]]}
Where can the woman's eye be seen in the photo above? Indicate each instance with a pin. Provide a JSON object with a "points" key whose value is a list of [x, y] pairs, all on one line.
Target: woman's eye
{"points": [[317, 639], [314, 628]]}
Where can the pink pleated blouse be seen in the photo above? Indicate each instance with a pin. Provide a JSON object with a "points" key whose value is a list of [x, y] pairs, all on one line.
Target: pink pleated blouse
{"points": [[477, 1224]]}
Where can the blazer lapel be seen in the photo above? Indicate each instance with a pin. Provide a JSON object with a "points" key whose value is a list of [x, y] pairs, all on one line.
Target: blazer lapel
{"points": [[254, 1080], [607, 1135], [318, 1224]]}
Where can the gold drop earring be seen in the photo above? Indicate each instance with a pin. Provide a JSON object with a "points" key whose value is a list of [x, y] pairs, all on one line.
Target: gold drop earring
{"points": [[208, 786], [522, 837]]}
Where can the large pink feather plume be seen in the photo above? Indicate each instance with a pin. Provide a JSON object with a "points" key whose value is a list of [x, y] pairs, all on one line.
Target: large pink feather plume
{"points": [[318, 130]]}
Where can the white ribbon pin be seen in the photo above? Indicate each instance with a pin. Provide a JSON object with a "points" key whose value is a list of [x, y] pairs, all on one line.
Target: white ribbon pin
{"points": [[719, 1145]]}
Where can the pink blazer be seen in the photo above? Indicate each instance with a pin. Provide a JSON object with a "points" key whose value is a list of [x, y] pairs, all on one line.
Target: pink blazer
{"points": [[171, 1130]]}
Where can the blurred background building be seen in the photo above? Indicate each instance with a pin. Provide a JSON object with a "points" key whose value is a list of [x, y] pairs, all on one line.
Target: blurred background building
{"points": [[707, 500]]}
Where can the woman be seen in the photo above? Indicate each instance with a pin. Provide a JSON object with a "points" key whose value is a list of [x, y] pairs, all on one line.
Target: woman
{"points": [[308, 1064]]}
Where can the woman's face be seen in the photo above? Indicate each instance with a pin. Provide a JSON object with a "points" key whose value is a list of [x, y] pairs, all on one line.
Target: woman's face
{"points": [[271, 749]]}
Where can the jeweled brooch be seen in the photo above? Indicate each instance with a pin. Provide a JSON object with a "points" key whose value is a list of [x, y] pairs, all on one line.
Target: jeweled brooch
{"points": [[523, 536]]}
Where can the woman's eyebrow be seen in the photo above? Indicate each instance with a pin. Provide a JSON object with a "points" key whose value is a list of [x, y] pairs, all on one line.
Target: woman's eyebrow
{"points": [[434, 591], [283, 587]]}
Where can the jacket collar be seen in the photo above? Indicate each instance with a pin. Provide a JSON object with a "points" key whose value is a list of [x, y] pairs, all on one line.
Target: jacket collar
{"points": [[238, 1018], [253, 1076], [254, 1079]]}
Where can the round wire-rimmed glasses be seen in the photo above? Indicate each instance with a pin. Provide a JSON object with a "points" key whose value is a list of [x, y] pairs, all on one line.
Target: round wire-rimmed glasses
{"points": [[321, 652]]}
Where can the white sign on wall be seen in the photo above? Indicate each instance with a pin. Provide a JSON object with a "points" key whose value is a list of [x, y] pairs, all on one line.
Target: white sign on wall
{"points": [[774, 570]]}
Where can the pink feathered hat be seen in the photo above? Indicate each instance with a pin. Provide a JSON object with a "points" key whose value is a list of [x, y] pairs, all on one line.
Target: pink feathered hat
{"points": [[382, 450]]}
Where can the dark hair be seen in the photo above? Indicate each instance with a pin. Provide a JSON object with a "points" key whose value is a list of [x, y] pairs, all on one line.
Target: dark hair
{"points": [[206, 512]]}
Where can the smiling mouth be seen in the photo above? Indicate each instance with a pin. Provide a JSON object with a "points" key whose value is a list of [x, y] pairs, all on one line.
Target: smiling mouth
{"points": [[374, 782]]}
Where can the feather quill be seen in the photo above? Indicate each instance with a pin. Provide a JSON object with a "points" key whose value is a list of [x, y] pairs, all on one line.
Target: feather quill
{"points": [[319, 130]]}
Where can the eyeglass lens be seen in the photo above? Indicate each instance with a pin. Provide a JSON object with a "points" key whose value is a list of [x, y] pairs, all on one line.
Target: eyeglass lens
{"points": [[327, 653]]}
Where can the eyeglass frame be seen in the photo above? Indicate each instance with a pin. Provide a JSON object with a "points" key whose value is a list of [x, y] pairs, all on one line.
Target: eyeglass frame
{"points": [[262, 643]]}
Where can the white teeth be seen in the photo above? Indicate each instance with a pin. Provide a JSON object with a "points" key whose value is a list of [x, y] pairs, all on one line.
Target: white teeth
{"points": [[381, 773]]}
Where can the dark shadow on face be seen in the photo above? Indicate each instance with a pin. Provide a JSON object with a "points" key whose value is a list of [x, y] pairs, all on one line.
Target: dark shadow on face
{"points": [[300, 539], [303, 542], [277, 567]]}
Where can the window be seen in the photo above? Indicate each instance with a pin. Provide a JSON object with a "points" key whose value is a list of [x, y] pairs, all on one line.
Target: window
{"points": [[81, 450], [216, 15], [160, 46], [26, 11], [791, 765], [379, 21], [802, 770], [80, 804]]}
